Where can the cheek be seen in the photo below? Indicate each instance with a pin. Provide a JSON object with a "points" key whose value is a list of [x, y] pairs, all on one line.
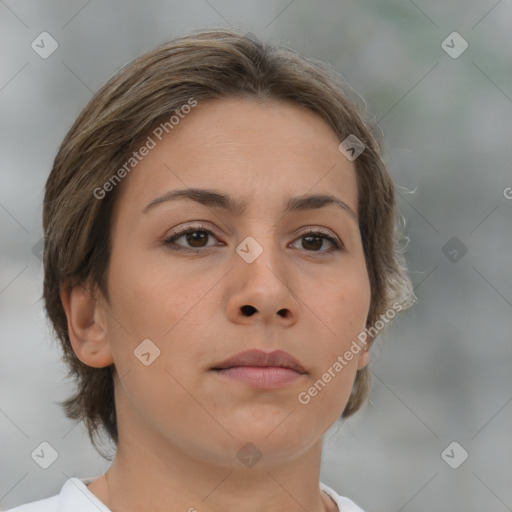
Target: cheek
{"points": [[156, 302], [343, 308], [149, 299], [153, 302], [344, 303]]}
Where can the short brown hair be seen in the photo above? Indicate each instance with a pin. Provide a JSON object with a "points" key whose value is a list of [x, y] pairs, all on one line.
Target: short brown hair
{"points": [[205, 65]]}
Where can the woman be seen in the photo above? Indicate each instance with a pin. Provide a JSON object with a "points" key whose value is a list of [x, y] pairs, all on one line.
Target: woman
{"points": [[221, 250]]}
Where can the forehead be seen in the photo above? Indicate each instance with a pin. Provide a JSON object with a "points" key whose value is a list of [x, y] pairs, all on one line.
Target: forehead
{"points": [[261, 152]]}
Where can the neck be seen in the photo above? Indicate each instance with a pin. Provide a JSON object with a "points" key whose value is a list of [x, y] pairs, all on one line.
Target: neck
{"points": [[136, 480]]}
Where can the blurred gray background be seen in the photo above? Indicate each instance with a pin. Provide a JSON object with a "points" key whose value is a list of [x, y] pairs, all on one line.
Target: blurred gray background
{"points": [[443, 372]]}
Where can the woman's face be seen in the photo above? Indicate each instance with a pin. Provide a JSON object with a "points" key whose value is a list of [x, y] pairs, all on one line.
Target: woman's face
{"points": [[247, 276]]}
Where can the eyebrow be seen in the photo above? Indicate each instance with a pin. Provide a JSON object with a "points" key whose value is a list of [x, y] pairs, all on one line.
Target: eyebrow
{"points": [[216, 199]]}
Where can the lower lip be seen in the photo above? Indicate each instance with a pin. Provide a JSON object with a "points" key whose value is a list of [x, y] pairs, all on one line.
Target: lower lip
{"points": [[262, 377]]}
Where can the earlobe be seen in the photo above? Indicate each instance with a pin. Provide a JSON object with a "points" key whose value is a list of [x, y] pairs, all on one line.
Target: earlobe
{"points": [[363, 358], [87, 326]]}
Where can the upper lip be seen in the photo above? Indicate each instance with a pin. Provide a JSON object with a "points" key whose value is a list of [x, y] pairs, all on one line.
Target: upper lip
{"points": [[260, 358]]}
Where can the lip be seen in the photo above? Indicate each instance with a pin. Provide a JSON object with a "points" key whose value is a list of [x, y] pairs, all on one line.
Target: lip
{"points": [[263, 370], [262, 359]]}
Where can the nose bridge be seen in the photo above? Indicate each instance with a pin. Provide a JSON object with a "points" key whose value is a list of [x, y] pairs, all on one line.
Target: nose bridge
{"points": [[261, 229], [262, 255], [262, 277]]}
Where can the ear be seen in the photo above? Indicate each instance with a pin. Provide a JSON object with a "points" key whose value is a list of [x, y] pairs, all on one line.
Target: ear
{"points": [[87, 325], [363, 358]]}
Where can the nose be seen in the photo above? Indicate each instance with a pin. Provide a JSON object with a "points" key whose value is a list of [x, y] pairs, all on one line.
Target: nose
{"points": [[261, 291]]}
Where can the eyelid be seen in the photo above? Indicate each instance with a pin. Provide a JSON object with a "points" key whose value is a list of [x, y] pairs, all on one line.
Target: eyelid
{"points": [[183, 230]]}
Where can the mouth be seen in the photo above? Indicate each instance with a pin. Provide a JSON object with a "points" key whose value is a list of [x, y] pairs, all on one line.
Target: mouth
{"points": [[262, 370]]}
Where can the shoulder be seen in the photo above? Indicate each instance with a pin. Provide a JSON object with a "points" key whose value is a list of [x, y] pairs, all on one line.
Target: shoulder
{"points": [[344, 504], [47, 505], [74, 496]]}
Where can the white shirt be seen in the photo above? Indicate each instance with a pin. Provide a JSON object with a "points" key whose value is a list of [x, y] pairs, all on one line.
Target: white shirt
{"points": [[76, 497]]}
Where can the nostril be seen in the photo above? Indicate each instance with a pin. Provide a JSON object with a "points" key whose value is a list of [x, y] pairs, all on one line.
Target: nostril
{"points": [[248, 310], [283, 312]]}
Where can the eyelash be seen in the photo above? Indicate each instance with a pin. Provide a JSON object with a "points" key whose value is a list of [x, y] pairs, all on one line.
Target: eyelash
{"points": [[193, 229]]}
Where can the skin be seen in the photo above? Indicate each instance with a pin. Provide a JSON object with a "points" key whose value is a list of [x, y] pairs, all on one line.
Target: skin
{"points": [[180, 424]]}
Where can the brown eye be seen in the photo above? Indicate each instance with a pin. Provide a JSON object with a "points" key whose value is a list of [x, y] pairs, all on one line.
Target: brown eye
{"points": [[196, 237], [314, 240], [312, 243]]}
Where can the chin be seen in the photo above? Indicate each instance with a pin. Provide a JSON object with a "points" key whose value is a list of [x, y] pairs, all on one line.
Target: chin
{"points": [[255, 453], [277, 436]]}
